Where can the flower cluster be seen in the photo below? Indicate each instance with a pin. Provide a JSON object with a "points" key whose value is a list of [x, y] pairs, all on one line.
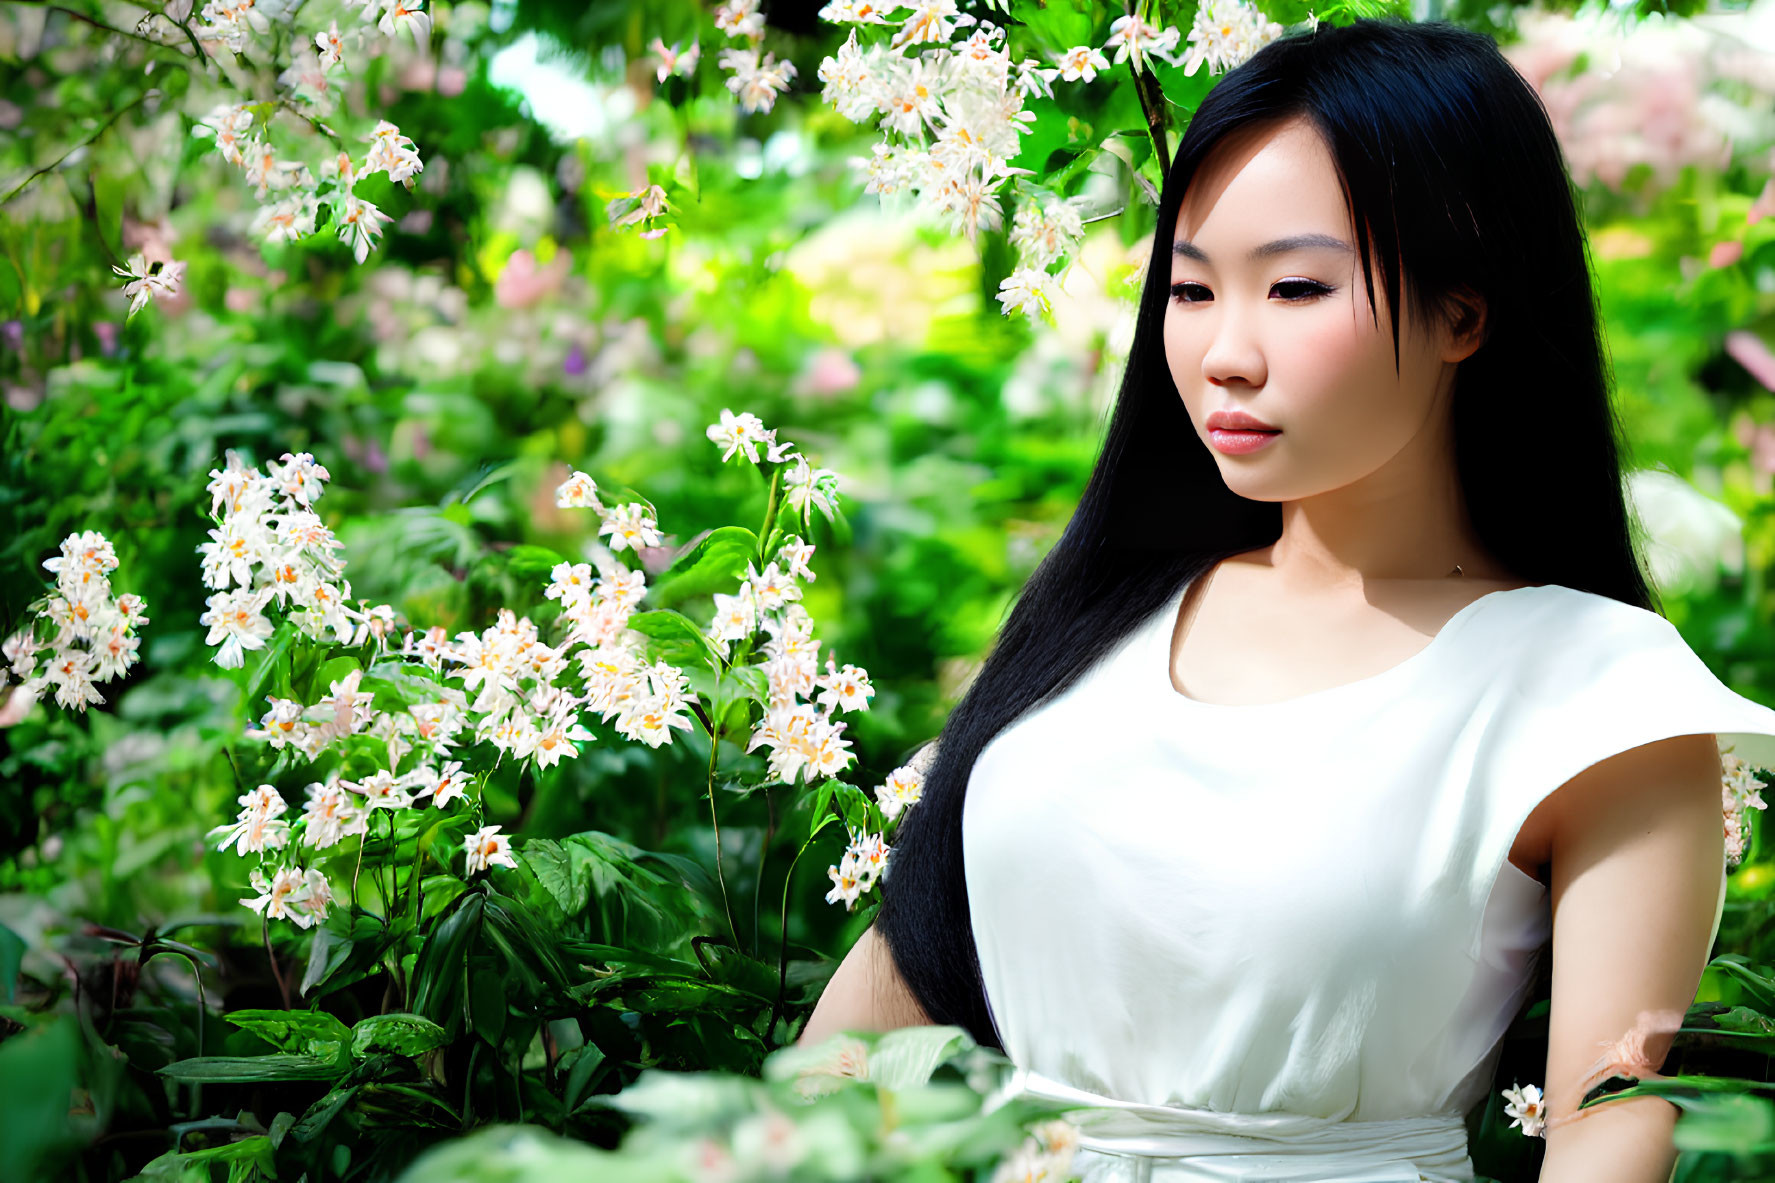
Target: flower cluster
{"points": [[953, 113], [1740, 789], [902, 789], [1044, 1157], [301, 897], [1526, 1108], [94, 632], [805, 486], [756, 82], [270, 547], [1225, 34], [292, 197], [864, 860]]}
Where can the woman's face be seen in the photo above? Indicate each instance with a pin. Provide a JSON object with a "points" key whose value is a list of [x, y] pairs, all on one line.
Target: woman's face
{"points": [[1268, 316]]}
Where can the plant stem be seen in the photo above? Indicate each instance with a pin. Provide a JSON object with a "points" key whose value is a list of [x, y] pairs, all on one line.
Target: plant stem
{"points": [[733, 930], [783, 946], [770, 513], [1152, 104], [265, 932]]}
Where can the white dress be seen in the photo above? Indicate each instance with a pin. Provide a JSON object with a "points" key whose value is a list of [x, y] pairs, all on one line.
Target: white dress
{"points": [[1284, 940]]}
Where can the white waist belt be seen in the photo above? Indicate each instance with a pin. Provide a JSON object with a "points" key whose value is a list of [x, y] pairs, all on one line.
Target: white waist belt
{"points": [[1127, 1142]]}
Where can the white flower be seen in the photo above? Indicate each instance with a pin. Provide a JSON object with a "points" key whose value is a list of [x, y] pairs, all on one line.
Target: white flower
{"points": [[228, 125], [257, 827], [391, 152], [149, 281], [407, 14], [1225, 34], [236, 623], [795, 553], [287, 220], [740, 18], [852, 12], [360, 224], [931, 20], [330, 815], [805, 486], [845, 689], [298, 477], [1132, 37], [757, 84], [380, 790], [264, 171], [1081, 63], [1045, 232], [281, 725], [578, 491], [1028, 291], [771, 588], [739, 433], [903, 787], [332, 49], [671, 61], [487, 846], [71, 673], [280, 898], [1527, 1109], [441, 785], [630, 526]]}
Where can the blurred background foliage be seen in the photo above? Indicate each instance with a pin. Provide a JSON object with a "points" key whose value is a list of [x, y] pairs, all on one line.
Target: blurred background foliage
{"points": [[504, 332]]}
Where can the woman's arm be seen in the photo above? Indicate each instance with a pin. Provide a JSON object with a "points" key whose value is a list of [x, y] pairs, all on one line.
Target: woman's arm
{"points": [[1637, 849], [866, 993]]}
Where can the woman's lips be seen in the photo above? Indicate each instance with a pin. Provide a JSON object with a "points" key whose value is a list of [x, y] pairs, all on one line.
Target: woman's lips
{"points": [[1237, 443]]}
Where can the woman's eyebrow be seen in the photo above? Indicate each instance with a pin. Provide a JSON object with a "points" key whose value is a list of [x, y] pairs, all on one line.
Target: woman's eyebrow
{"points": [[1280, 246]]}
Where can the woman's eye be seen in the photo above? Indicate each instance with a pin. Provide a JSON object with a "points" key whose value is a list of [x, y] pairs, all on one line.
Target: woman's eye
{"points": [[1292, 291], [1304, 289]]}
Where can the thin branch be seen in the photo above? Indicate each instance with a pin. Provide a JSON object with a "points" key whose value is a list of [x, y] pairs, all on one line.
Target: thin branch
{"points": [[103, 27], [86, 143], [1152, 104]]}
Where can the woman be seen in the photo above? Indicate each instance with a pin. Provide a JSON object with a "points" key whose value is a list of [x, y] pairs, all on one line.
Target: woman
{"points": [[1343, 691]]}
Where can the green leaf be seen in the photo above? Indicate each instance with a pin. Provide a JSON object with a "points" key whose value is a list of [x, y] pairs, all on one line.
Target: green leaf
{"points": [[321, 1113], [307, 1032], [532, 562], [674, 637], [12, 954], [587, 1064], [403, 1034], [714, 563], [256, 1069]]}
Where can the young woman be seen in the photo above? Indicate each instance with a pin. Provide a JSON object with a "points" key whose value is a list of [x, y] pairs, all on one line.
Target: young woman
{"points": [[1343, 695]]}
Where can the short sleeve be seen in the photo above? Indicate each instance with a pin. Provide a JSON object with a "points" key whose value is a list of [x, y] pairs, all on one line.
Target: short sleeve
{"points": [[1600, 677]]}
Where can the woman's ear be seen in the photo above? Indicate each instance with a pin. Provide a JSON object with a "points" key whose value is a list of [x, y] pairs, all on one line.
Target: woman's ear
{"points": [[1467, 324]]}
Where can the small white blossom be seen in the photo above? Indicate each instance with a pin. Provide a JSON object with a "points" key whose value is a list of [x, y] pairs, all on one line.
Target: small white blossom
{"points": [[487, 846], [1526, 1109]]}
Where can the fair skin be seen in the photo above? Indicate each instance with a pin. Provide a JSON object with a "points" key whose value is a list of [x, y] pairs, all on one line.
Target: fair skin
{"points": [[1372, 524]]}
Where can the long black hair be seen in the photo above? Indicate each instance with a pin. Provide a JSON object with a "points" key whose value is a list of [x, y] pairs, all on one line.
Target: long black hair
{"points": [[1454, 179]]}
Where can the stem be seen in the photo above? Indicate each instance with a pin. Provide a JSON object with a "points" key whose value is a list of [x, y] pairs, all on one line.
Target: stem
{"points": [[770, 513], [733, 930], [783, 947], [770, 830], [1152, 104], [265, 932], [87, 142]]}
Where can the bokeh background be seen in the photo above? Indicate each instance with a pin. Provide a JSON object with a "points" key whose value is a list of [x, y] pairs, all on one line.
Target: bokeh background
{"points": [[504, 331]]}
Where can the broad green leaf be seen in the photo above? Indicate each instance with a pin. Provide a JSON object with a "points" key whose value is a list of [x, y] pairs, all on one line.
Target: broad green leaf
{"points": [[403, 1034], [532, 562], [255, 1069], [673, 637], [308, 1032], [716, 563]]}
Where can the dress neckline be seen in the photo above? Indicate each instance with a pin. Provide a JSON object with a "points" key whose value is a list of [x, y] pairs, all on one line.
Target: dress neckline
{"points": [[1167, 628]]}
